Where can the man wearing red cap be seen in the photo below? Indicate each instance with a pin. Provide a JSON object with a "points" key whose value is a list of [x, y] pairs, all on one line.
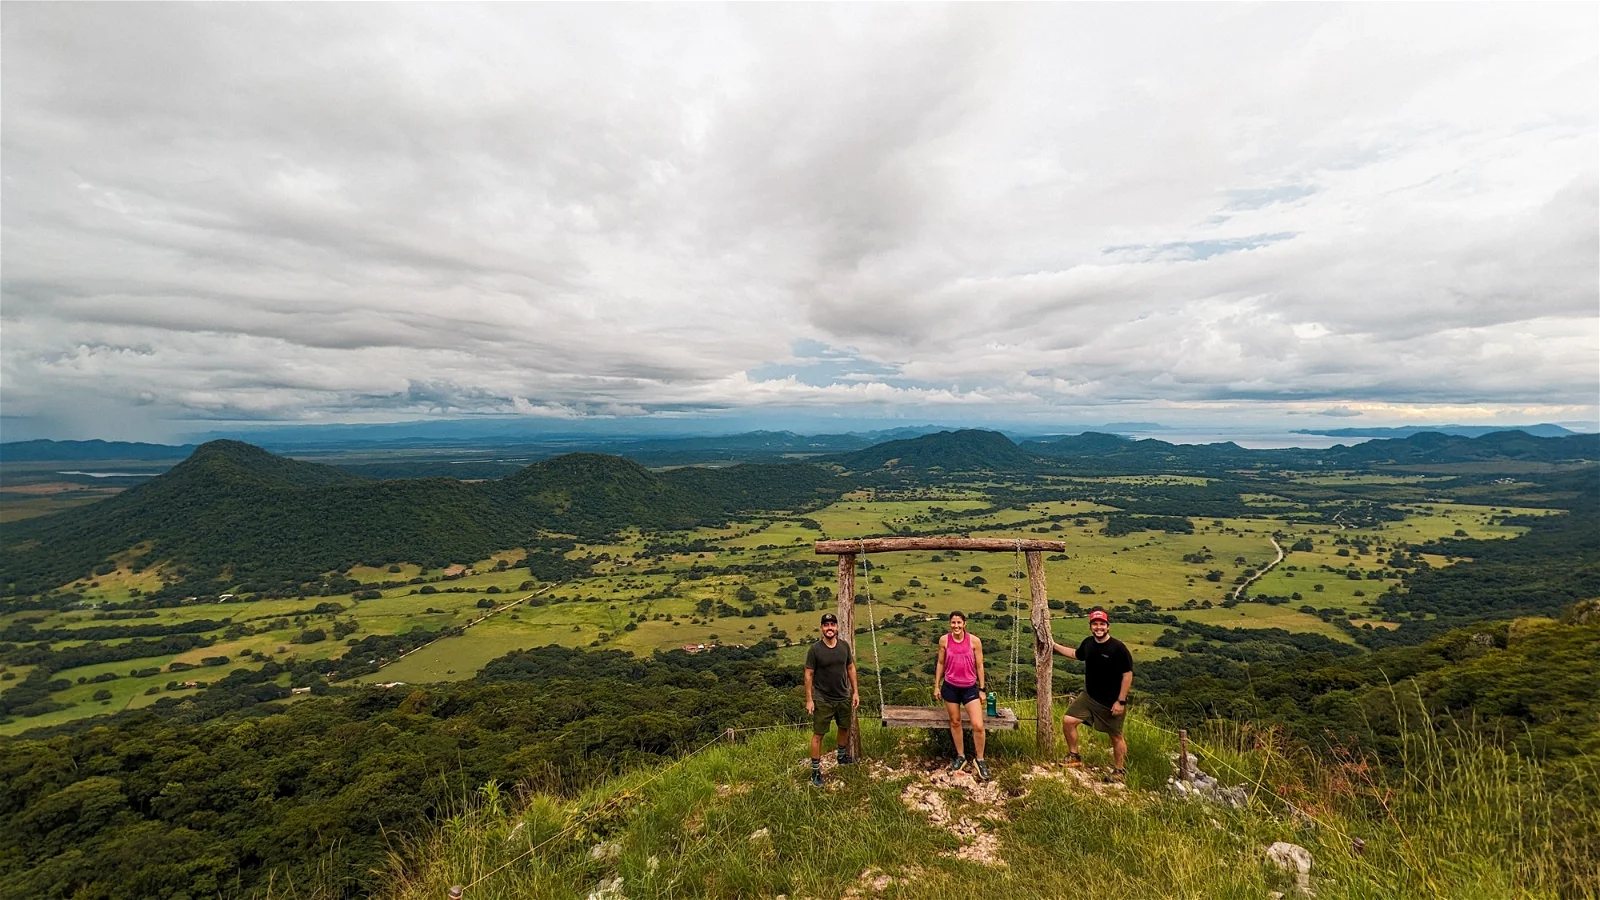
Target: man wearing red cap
{"points": [[1107, 676]]}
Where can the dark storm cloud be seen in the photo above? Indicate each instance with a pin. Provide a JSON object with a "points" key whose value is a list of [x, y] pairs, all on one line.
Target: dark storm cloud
{"points": [[326, 212]]}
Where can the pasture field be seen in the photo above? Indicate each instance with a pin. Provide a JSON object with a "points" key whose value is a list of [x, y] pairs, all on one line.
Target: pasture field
{"points": [[760, 579]]}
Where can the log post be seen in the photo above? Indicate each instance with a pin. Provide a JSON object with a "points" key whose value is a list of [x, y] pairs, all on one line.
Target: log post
{"points": [[1185, 773], [847, 632], [1043, 657]]}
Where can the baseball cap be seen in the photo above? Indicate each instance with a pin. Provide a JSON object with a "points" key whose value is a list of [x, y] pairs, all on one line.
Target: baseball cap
{"points": [[1100, 615], [830, 618]]}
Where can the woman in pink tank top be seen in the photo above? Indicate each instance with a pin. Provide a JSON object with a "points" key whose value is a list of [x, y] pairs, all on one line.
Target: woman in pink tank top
{"points": [[958, 680]]}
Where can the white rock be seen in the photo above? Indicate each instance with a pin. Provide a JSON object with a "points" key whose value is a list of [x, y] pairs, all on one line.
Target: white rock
{"points": [[760, 834], [608, 890], [606, 850], [1291, 858], [1296, 860]]}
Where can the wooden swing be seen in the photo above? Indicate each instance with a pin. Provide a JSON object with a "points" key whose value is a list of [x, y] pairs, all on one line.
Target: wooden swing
{"points": [[932, 717]]}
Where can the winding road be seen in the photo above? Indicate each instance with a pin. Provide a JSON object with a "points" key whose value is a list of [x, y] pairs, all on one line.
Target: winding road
{"points": [[1257, 576]]}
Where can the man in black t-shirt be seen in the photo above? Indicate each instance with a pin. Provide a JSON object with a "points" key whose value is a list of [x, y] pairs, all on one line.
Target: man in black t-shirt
{"points": [[1107, 676], [832, 693]]}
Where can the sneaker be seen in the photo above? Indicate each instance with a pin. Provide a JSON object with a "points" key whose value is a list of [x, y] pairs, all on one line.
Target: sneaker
{"points": [[816, 778], [983, 771], [1115, 776], [845, 759], [959, 764], [1074, 761]]}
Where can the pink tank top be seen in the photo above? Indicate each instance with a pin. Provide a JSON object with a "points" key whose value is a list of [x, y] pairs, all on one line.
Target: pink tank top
{"points": [[960, 669]]}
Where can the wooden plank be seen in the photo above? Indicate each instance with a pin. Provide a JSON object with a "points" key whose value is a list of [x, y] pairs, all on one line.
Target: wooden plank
{"points": [[892, 545], [1043, 657], [933, 717]]}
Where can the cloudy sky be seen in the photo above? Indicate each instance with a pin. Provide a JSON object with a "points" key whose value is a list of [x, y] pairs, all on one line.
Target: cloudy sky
{"points": [[1292, 215]]}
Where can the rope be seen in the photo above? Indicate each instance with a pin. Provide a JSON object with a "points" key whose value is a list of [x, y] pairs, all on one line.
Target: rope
{"points": [[872, 620], [1016, 622]]}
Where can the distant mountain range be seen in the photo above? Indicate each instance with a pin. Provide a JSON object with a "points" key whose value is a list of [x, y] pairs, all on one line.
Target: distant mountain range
{"points": [[660, 451], [1542, 430], [79, 451], [268, 520]]}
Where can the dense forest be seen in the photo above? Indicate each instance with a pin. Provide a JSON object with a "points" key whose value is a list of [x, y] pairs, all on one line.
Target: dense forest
{"points": [[159, 806]]}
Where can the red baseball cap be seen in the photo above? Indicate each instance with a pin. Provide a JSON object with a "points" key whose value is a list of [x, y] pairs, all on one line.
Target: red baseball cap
{"points": [[1100, 614]]}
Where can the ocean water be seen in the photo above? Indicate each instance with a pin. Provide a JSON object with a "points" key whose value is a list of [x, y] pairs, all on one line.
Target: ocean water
{"points": [[1248, 439]]}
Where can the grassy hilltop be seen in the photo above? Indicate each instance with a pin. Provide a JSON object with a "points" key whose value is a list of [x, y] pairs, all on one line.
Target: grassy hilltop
{"points": [[740, 821]]}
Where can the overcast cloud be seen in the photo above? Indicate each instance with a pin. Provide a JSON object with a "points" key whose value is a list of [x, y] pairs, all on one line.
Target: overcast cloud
{"points": [[1291, 213]]}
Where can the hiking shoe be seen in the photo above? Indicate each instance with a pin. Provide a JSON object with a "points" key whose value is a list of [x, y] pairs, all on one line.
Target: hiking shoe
{"points": [[1074, 761], [1115, 776], [983, 771], [845, 759], [959, 764], [816, 778]]}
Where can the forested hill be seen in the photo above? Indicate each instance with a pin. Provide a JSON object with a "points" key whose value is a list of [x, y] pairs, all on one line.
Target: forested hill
{"points": [[1432, 447], [269, 521], [1427, 448], [968, 450]]}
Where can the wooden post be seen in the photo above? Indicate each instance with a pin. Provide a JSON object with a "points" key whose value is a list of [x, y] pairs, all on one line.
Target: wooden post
{"points": [[1184, 772], [1043, 657], [847, 632]]}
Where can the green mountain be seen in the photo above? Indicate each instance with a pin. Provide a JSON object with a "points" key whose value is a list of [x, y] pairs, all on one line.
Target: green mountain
{"points": [[235, 512], [1432, 447], [968, 450], [78, 451], [1541, 430]]}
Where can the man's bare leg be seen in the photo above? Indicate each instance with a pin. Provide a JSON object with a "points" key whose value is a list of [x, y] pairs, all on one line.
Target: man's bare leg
{"points": [[816, 746], [1069, 730], [844, 740], [1119, 752]]}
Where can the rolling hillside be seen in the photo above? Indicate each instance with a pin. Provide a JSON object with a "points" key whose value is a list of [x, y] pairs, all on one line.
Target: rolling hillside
{"points": [[270, 521]]}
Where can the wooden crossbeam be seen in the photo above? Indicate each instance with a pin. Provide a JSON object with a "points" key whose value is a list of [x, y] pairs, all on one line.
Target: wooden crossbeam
{"points": [[891, 545], [932, 717]]}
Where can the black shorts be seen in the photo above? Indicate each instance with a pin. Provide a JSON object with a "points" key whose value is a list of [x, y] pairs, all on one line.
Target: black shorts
{"points": [[959, 695]]}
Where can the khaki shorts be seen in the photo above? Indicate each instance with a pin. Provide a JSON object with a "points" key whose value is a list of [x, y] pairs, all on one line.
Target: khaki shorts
{"points": [[827, 710], [1087, 709]]}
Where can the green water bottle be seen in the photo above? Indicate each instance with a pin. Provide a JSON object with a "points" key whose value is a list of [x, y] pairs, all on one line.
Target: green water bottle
{"points": [[992, 709]]}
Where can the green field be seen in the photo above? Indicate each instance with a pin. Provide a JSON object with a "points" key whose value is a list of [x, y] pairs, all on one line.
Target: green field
{"points": [[642, 603]]}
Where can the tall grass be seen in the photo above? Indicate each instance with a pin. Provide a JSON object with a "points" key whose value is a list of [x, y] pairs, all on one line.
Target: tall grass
{"points": [[1457, 818]]}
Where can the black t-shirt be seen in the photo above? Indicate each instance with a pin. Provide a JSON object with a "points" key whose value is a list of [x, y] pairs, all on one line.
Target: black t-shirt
{"points": [[1103, 665], [830, 668]]}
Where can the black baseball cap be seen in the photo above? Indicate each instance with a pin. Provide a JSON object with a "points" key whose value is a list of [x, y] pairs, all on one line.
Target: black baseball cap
{"points": [[829, 617]]}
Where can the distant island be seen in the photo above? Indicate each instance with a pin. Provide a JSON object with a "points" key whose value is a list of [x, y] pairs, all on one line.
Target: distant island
{"points": [[1403, 431]]}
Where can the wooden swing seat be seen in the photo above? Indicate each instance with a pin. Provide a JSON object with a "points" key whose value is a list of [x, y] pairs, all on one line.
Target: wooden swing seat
{"points": [[934, 717]]}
